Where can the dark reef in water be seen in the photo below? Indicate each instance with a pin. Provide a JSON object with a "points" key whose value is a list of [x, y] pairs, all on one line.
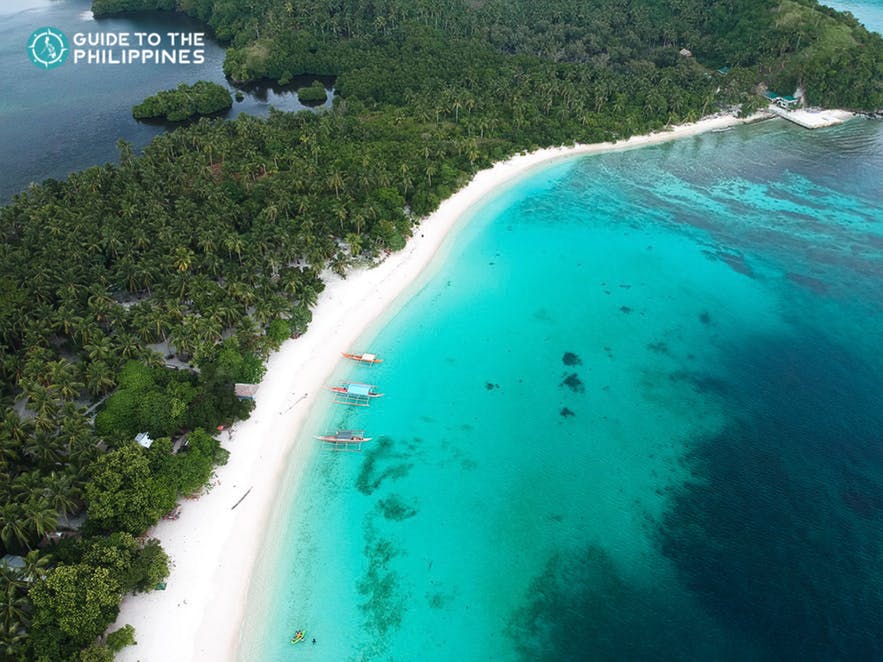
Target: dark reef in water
{"points": [[574, 383], [383, 606], [437, 600], [394, 508], [565, 412], [490, 386], [658, 347], [371, 476], [570, 358], [780, 536]]}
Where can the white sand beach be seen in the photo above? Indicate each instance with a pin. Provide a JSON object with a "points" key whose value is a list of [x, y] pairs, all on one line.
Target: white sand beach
{"points": [[213, 546]]}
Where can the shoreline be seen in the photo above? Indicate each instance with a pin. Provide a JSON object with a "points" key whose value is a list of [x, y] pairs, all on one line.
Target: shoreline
{"points": [[216, 543]]}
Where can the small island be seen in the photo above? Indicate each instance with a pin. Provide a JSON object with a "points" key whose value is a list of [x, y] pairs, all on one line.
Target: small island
{"points": [[185, 102], [313, 95]]}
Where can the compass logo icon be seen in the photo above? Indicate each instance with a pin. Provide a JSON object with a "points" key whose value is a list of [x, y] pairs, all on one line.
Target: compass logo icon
{"points": [[47, 47]]}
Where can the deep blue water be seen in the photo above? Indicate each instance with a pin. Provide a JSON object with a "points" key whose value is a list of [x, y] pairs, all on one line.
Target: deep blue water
{"points": [[636, 413]]}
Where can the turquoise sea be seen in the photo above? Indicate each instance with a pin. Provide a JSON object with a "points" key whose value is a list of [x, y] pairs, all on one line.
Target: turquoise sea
{"points": [[635, 413]]}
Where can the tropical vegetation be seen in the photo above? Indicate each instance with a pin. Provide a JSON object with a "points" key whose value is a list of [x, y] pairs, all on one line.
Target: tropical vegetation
{"points": [[133, 296], [313, 94], [185, 102]]}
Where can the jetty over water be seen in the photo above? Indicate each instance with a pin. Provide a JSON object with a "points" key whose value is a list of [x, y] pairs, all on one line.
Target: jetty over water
{"points": [[811, 118]]}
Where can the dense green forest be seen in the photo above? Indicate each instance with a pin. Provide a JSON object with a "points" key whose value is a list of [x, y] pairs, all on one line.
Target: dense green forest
{"points": [[133, 296], [185, 102]]}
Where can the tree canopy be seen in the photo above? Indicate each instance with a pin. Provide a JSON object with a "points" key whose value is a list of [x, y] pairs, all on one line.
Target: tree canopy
{"points": [[185, 102]]}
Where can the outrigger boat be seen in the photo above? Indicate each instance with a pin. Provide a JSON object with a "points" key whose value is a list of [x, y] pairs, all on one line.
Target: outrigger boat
{"points": [[355, 393], [363, 358], [345, 440], [298, 637]]}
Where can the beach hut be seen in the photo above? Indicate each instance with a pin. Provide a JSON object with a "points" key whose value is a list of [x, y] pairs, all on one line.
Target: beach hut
{"points": [[245, 391], [784, 101], [686, 52]]}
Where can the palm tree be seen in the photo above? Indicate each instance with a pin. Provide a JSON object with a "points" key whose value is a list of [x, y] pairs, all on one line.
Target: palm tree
{"points": [[40, 400], [456, 105], [234, 244], [13, 637], [62, 375], [99, 377], [182, 258], [26, 485], [44, 449], [15, 607], [406, 177], [36, 565], [126, 346], [13, 528], [62, 492], [40, 516], [335, 181], [13, 427], [9, 451]]}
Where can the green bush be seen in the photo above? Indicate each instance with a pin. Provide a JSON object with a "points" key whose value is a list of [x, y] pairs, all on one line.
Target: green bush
{"points": [[313, 95], [279, 331], [96, 653], [119, 639], [123, 494], [150, 567], [72, 607]]}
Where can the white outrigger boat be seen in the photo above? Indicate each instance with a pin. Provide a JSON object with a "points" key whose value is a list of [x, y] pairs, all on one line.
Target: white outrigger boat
{"points": [[370, 359], [345, 440], [355, 393]]}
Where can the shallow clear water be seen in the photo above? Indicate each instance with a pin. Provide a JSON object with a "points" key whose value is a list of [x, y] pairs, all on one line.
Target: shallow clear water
{"points": [[69, 118], [636, 413]]}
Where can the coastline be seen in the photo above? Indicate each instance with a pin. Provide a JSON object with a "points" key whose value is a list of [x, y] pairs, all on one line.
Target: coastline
{"points": [[214, 547]]}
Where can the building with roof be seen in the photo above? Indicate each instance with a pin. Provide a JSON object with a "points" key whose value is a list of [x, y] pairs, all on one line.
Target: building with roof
{"points": [[784, 101], [245, 391]]}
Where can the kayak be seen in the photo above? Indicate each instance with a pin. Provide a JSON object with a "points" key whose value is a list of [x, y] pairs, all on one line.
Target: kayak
{"points": [[298, 637]]}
